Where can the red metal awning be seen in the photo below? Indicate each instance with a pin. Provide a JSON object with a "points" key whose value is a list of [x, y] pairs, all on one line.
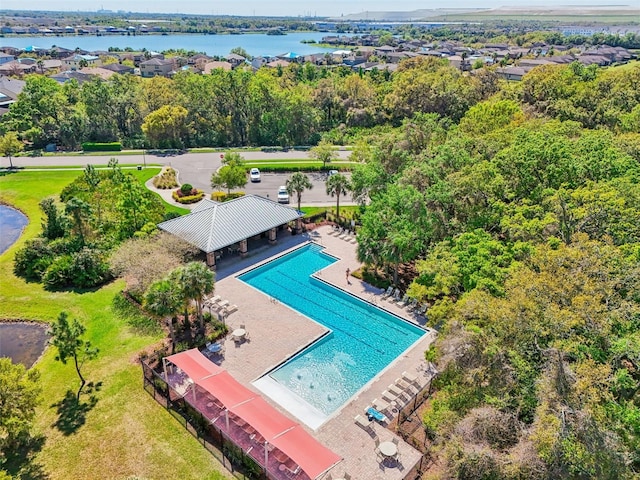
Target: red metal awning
{"points": [[267, 421], [226, 389], [276, 428], [313, 457], [194, 364]]}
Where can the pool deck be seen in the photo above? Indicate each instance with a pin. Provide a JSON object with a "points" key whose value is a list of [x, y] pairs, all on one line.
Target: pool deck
{"points": [[277, 332]]}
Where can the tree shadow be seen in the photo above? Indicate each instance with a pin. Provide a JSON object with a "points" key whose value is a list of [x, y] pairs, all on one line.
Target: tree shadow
{"points": [[4, 171], [72, 411], [19, 461]]}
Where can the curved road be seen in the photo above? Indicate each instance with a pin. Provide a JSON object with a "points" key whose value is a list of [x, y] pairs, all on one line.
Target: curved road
{"points": [[197, 168]]}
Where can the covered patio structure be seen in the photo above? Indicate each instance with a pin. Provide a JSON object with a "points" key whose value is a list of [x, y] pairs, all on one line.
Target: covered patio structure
{"points": [[278, 444], [214, 227]]}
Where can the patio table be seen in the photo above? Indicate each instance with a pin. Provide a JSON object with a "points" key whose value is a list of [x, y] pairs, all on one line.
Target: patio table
{"points": [[388, 449], [239, 333]]}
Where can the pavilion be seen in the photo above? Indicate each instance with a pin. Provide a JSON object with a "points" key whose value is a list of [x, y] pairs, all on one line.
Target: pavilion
{"points": [[213, 226]]}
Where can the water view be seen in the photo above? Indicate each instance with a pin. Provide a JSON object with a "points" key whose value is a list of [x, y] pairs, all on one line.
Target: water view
{"points": [[255, 44], [12, 222], [22, 342]]}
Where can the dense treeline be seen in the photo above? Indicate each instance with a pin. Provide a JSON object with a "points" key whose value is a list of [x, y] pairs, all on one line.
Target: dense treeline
{"points": [[298, 104], [521, 222], [290, 106]]}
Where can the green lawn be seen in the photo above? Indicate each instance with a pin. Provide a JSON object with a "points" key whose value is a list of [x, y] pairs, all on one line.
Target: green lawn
{"points": [[126, 432]]}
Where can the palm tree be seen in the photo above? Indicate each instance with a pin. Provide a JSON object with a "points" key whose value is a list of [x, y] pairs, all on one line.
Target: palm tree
{"points": [[163, 299], [298, 183], [338, 185], [195, 281]]}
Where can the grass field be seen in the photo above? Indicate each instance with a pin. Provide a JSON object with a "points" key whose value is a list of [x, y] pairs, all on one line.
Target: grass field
{"points": [[118, 431]]}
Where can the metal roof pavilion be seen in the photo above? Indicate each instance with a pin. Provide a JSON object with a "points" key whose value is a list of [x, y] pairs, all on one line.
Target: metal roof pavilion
{"points": [[212, 226]]}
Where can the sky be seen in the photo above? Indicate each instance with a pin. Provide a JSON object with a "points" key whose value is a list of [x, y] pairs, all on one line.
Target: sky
{"points": [[283, 7]]}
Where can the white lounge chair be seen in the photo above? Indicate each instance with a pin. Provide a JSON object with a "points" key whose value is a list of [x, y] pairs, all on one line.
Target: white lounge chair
{"points": [[387, 292], [363, 422], [396, 296], [407, 387], [410, 377], [404, 302], [401, 395], [389, 397]]}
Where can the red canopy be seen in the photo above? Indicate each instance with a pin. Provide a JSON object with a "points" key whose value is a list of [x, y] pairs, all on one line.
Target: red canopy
{"points": [[195, 364], [313, 457], [268, 421], [277, 429], [226, 389]]}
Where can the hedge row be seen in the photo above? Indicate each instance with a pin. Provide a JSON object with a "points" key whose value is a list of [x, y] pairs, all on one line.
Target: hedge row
{"points": [[298, 148], [223, 197], [188, 198], [308, 168], [102, 147]]}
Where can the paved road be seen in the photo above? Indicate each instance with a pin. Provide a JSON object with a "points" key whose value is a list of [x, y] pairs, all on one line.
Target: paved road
{"points": [[197, 168]]}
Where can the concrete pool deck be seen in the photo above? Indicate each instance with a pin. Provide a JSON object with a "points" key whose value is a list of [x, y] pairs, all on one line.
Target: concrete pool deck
{"points": [[277, 332]]}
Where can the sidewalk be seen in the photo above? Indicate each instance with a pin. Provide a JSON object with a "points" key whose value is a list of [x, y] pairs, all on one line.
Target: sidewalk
{"points": [[167, 193]]}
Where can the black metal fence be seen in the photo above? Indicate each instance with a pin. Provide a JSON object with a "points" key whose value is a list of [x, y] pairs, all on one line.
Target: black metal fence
{"points": [[231, 456]]}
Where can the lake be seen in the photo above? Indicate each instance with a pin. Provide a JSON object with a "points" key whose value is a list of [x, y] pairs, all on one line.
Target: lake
{"points": [[255, 44], [12, 222], [23, 342]]}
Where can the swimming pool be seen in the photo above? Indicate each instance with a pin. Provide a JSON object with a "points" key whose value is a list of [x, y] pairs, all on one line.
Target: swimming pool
{"points": [[363, 340]]}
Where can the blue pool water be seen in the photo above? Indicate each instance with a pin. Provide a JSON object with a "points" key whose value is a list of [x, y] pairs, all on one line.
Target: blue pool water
{"points": [[363, 340]]}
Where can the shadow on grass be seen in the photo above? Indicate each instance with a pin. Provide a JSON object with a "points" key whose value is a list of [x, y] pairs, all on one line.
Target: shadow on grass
{"points": [[72, 411], [19, 460], [4, 171]]}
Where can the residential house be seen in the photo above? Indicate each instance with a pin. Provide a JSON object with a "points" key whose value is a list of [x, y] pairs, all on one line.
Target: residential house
{"points": [[258, 62], [80, 77], [103, 73], [278, 63], [512, 73], [77, 61], [5, 58], [210, 66], [236, 60], [157, 67], [118, 68], [16, 68], [10, 88]]}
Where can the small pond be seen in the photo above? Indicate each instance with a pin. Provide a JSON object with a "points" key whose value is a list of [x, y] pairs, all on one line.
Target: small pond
{"points": [[22, 342], [12, 222]]}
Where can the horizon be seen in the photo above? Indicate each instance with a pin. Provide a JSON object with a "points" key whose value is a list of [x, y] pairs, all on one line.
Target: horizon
{"points": [[290, 8]]}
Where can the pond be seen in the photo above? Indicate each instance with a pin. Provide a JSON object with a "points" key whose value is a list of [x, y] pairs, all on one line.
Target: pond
{"points": [[12, 222], [23, 342]]}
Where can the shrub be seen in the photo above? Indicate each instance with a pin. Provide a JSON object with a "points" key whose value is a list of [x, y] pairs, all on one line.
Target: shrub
{"points": [[167, 179], [224, 197], [33, 259], [186, 189], [83, 269], [195, 197], [58, 274], [307, 168], [102, 147]]}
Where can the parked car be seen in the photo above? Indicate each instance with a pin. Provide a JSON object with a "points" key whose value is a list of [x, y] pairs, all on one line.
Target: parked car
{"points": [[254, 175], [333, 172], [283, 195]]}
